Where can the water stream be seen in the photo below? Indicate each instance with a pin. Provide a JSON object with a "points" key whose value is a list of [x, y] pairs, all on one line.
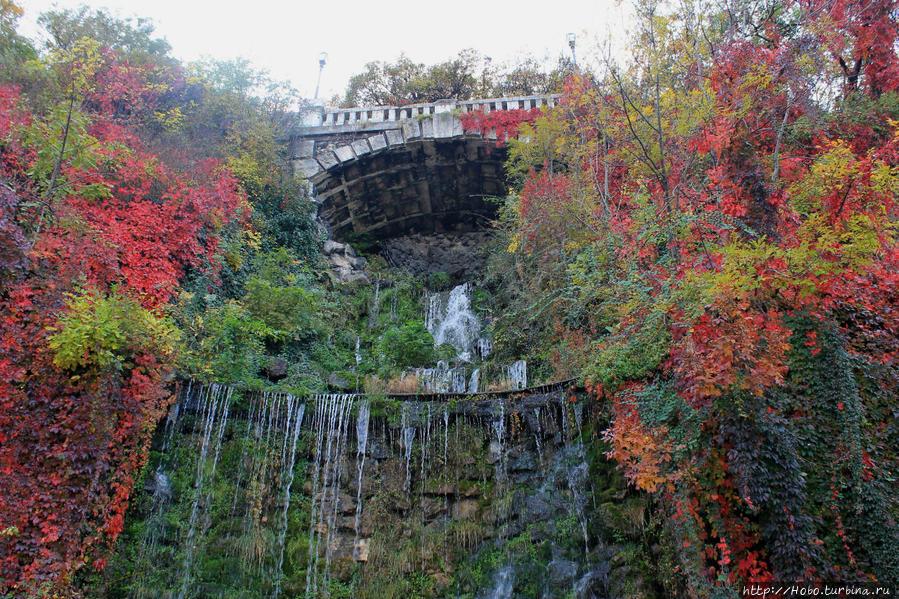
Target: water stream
{"points": [[451, 320], [465, 475]]}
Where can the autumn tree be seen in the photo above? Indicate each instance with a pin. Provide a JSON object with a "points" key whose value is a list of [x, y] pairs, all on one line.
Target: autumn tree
{"points": [[711, 231]]}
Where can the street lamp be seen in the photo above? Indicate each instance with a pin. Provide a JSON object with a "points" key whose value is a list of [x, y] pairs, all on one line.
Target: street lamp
{"points": [[571, 45], [322, 59]]}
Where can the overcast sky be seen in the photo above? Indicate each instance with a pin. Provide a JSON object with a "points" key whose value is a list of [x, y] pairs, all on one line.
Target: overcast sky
{"points": [[286, 38]]}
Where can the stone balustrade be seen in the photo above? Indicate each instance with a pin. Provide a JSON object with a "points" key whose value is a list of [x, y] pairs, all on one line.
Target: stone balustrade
{"points": [[395, 114]]}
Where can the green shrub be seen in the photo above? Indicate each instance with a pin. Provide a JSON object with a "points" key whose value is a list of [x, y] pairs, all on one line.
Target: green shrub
{"points": [[408, 345], [107, 330]]}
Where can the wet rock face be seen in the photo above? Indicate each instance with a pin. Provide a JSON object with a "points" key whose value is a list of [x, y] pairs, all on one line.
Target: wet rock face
{"points": [[433, 484], [460, 255], [476, 498]]}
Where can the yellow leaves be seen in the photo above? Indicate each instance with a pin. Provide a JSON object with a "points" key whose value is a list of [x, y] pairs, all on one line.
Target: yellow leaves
{"points": [[514, 244], [78, 63], [171, 120], [833, 170], [9, 13], [885, 179], [253, 238], [105, 330]]}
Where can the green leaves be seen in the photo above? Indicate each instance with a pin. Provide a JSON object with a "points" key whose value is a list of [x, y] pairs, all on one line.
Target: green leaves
{"points": [[408, 345], [102, 331]]}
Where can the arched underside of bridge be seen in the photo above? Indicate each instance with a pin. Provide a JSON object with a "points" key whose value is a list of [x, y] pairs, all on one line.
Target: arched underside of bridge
{"points": [[419, 186]]}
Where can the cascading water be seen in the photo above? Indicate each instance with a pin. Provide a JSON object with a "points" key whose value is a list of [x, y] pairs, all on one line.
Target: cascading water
{"points": [[375, 309], [284, 491], [451, 320], [443, 379], [295, 412], [474, 380], [332, 417], [504, 583], [362, 420], [517, 374], [214, 405]]}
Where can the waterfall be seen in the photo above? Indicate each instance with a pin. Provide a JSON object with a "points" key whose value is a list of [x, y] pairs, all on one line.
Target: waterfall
{"points": [[517, 374], [499, 428], [453, 321], [450, 320], [473, 381], [408, 437], [214, 404], [538, 435], [503, 584], [297, 416], [361, 445], [443, 379], [375, 309], [330, 425], [251, 471]]}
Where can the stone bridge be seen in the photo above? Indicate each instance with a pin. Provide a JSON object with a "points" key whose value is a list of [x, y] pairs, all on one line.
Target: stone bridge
{"points": [[389, 172]]}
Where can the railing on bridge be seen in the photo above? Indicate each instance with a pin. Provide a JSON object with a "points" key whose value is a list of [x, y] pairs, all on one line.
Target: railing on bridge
{"points": [[394, 114]]}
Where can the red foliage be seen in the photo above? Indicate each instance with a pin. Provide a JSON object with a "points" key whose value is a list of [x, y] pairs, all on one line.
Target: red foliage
{"points": [[72, 442], [501, 124], [778, 209]]}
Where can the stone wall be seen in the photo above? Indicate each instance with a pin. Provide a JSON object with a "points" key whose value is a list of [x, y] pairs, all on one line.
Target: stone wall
{"points": [[460, 255]]}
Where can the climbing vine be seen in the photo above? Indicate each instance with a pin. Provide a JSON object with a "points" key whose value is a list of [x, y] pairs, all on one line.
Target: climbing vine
{"points": [[714, 236]]}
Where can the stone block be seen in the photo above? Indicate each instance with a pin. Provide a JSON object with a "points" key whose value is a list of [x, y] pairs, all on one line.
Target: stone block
{"points": [[395, 138], [411, 130], [361, 147], [427, 127], [377, 142], [327, 159], [444, 125], [307, 167], [344, 153]]}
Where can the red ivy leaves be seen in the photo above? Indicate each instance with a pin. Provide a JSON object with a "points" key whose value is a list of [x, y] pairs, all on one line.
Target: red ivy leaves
{"points": [[499, 124], [72, 443]]}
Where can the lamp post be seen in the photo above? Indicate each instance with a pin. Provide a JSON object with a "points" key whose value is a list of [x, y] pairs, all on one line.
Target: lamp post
{"points": [[571, 45], [322, 59]]}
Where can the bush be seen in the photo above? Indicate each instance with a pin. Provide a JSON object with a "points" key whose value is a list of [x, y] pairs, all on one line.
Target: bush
{"points": [[408, 345]]}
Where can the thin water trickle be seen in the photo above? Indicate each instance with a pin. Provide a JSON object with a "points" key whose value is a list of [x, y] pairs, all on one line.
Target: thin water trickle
{"points": [[362, 420], [297, 413], [503, 583], [408, 437], [375, 310], [538, 436], [214, 414]]}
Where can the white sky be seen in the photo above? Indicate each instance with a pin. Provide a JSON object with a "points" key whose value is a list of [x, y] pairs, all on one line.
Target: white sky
{"points": [[286, 38]]}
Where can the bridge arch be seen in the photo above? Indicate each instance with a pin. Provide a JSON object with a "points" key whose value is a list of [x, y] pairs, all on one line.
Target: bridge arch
{"points": [[394, 172]]}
